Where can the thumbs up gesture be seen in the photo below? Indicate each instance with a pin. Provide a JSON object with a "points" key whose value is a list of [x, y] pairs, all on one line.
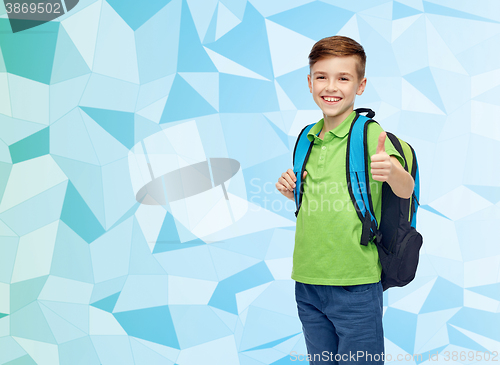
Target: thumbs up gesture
{"points": [[381, 165]]}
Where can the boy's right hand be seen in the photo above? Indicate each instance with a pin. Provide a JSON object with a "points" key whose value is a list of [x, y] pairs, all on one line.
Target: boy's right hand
{"points": [[286, 183]]}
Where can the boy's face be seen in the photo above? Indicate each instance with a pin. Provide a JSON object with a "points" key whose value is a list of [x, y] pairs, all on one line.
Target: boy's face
{"points": [[337, 78]]}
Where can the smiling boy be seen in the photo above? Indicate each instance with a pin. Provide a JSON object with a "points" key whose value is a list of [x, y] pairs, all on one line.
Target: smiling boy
{"points": [[337, 280]]}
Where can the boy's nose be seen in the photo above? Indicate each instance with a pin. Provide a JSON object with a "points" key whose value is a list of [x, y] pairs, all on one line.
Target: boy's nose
{"points": [[332, 87]]}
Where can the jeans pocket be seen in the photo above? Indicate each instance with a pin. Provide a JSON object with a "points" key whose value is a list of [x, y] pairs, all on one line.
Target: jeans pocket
{"points": [[357, 288]]}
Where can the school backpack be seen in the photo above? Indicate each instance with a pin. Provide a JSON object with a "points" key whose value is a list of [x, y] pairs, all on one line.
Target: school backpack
{"points": [[398, 242]]}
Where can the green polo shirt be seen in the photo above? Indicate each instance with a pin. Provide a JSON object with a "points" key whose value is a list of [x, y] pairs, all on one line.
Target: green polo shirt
{"points": [[327, 238]]}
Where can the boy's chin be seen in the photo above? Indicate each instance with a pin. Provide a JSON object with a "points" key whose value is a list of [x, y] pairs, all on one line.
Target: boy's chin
{"points": [[336, 113]]}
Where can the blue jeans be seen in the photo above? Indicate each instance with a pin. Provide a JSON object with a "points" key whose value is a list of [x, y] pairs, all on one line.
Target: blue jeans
{"points": [[342, 324]]}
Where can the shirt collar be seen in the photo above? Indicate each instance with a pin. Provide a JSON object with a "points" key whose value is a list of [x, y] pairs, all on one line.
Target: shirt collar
{"points": [[340, 131]]}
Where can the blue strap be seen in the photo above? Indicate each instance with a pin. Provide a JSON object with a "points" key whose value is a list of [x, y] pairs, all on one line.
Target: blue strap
{"points": [[357, 181], [416, 191], [300, 155]]}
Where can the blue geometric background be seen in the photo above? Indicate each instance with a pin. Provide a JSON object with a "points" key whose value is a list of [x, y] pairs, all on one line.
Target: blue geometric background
{"points": [[115, 94]]}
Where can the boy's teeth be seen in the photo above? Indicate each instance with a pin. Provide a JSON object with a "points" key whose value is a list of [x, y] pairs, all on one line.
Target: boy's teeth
{"points": [[330, 99]]}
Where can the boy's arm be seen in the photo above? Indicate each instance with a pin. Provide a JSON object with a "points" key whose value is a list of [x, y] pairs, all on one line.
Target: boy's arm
{"points": [[387, 168]]}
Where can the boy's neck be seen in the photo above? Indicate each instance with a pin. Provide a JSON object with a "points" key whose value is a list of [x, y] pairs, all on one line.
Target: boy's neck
{"points": [[330, 123]]}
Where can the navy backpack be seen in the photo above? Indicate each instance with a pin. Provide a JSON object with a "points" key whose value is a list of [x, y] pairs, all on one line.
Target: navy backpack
{"points": [[398, 242]]}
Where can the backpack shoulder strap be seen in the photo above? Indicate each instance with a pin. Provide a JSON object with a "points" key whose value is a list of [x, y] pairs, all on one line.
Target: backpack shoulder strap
{"points": [[357, 174], [411, 158], [301, 141], [416, 189], [397, 145], [300, 154], [411, 166]]}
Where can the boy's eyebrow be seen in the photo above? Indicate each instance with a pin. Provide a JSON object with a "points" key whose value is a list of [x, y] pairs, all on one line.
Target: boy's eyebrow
{"points": [[324, 72]]}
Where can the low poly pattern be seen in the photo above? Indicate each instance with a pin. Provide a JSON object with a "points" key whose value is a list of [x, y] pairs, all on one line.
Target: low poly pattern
{"points": [[139, 147]]}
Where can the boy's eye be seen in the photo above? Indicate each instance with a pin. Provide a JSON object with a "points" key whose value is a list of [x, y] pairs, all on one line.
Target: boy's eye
{"points": [[319, 77], [344, 79]]}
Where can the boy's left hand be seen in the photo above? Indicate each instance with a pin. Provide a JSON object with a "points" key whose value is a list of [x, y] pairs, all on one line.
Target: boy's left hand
{"points": [[381, 164]]}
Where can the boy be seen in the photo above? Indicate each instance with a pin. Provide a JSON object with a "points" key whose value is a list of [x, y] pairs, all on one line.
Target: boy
{"points": [[337, 280]]}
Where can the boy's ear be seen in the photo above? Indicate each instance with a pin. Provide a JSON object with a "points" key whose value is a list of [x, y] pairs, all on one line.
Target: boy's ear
{"points": [[309, 83], [361, 87]]}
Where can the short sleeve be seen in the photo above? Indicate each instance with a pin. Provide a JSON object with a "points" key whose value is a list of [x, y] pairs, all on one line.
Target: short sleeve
{"points": [[373, 132]]}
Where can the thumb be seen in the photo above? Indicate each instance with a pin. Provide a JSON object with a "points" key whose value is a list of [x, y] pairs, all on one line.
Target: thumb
{"points": [[304, 175], [381, 142]]}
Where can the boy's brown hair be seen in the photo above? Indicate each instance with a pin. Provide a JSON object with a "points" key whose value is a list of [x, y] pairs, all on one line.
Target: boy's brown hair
{"points": [[338, 46]]}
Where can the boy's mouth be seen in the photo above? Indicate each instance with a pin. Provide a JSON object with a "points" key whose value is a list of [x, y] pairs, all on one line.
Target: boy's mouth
{"points": [[331, 99]]}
